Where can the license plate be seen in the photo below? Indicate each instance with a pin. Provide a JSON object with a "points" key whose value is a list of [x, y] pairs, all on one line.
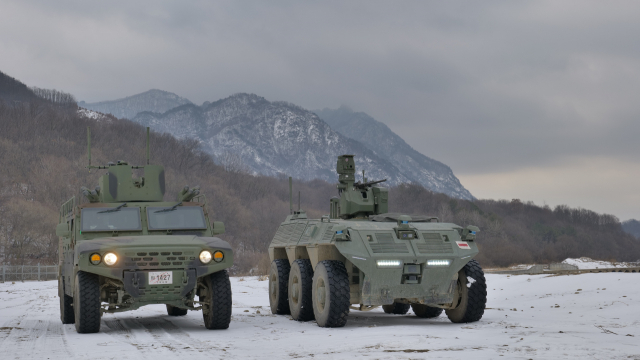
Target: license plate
{"points": [[160, 277]]}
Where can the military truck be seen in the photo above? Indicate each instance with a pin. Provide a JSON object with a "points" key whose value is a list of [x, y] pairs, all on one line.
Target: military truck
{"points": [[361, 257], [127, 247]]}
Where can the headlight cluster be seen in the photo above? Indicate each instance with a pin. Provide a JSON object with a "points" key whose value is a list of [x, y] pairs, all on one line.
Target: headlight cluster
{"points": [[389, 263], [438, 262], [109, 258], [206, 256]]}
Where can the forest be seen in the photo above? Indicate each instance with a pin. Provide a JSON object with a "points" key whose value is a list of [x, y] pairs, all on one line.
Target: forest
{"points": [[43, 158]]}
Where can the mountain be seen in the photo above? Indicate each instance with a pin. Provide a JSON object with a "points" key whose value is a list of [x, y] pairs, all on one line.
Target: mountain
{"points": [[152, 100], [13, 90], [632, 227], [270, 138], [375, 135]]}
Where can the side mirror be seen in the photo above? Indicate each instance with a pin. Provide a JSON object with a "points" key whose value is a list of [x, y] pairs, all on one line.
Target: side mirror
{"points": [[469, 233], [217, 227], [62, 230]]}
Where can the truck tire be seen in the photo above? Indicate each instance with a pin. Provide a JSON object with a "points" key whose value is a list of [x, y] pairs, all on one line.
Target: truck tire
{"points": [[299, 286], [396, 308], [330, 294], [66, 305], [176, 311], [425, 311], [472, 297], [86, 303], [278, 286], [216, 297]]}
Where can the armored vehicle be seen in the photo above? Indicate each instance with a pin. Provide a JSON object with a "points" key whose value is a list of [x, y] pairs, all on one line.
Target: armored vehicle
{"points": [[361, 257], [126, 247]]}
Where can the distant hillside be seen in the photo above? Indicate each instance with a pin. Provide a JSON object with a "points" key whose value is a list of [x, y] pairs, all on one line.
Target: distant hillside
{"points": [[13, 90], [269, 138], [42, 158], [152, 100], [632, 227], [376, 136]]}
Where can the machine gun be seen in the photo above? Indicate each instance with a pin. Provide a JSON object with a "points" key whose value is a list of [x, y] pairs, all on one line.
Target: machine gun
{"points": [[365, 185]]}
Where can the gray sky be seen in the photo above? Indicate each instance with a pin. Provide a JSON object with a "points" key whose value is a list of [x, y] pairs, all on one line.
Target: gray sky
{"points": [[530, 100]]}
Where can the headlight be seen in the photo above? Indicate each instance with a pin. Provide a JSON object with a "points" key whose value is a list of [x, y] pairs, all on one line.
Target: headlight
{"points": [[205, 256], [218, 256], [95, 259], [438, 262], [110, 258], [389, 263]]}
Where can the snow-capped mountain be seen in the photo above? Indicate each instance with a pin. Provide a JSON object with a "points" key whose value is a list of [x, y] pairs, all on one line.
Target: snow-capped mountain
{"points": [[376, 136], [152, 100], [270, 138]]}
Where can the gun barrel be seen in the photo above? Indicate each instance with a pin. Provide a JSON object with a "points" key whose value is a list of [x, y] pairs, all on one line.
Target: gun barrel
{"points": [[364, 185]]}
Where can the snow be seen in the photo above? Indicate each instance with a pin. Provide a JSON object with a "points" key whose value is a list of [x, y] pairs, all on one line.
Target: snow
{"points": [[527, 317], [91, 114], [588, 263]]}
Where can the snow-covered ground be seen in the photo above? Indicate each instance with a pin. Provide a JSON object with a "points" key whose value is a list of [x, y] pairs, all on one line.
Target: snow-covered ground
{"points": [[588, 316], [588, 263]]}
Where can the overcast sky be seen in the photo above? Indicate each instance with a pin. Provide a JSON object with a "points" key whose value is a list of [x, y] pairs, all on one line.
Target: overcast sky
{"points": [[529, 100]]}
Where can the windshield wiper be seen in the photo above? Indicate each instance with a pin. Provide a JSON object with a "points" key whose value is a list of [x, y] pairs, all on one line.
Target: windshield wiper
{"points": [[169, 209], [113, 210]]}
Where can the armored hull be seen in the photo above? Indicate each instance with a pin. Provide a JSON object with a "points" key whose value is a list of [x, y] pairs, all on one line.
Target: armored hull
{"points": [[373, 259], [127, 248]]}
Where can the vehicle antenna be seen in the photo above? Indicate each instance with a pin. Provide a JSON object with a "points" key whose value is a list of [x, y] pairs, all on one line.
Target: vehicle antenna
{"points": [[290, 196], [89, 147], [148, 146]]}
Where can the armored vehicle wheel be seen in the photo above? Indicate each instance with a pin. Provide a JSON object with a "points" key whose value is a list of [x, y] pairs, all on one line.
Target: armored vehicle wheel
{"points": [[176, 311], [216, 297], [278, 286], [86, 303], [396, 308], [472, 291], [300, 281], [330, 294], [66, 305], [425, 311]]}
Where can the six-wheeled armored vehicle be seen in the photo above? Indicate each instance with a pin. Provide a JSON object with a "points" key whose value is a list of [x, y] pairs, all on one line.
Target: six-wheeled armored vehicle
{"points": [[127, 247], [360, 257]]}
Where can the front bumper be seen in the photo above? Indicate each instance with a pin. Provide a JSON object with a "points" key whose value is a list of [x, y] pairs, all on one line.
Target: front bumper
{"points": [[138, 256]]}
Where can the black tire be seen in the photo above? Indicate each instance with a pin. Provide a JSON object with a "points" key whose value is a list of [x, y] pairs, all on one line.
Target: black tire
{"points": [[330, 294], [425, 311], [299, 287], [396, 308], [473, 297], [216, 297], [176, 311], [66, 305], [279, 286], [86, 303]]}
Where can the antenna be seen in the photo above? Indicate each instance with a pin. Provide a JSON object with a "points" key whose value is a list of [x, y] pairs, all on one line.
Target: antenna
{"points": [[298, 201], [364, 180], [89, 147], [290, 196], [148, 146]]}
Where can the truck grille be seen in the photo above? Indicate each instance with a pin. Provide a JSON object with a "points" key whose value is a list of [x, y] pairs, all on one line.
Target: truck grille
{"points": [[386, 244], [156, 259]]}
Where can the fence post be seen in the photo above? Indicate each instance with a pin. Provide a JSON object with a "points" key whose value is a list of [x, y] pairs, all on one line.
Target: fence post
{"points": [[38, 271], [3, 273], [22, 272]]}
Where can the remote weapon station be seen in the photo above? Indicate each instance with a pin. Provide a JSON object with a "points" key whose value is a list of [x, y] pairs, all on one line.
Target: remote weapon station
{"points": [[362, 257], [126, 247]]}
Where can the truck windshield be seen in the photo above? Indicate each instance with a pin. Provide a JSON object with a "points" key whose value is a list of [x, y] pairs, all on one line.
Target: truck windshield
{"points": [[176, 218], [111, 219]]}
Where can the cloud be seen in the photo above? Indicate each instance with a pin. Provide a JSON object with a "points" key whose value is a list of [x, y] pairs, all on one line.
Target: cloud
{"points": [[488, 87]]}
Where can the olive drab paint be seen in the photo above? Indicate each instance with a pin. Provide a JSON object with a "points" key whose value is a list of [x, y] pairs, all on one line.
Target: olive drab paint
{"points": [[142, 251], [388, 258]]}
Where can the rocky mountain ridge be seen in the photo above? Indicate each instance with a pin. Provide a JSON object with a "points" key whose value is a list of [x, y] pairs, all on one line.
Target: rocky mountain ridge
{"points": [[128, 107]]}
